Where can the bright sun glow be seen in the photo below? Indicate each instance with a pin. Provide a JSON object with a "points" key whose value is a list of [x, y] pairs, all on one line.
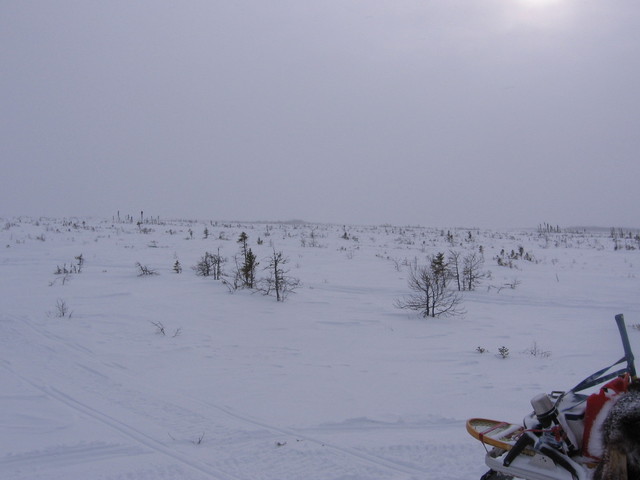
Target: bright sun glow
{"points": [[538, 3], [542, 13]]}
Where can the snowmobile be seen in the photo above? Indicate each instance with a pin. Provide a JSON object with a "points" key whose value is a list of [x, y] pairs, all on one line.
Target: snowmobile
{"points": [[562, 439]]}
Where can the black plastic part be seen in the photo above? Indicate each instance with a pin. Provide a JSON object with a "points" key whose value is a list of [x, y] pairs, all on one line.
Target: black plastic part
{"points": [[493, 475], [523, 442], [558, 458]]}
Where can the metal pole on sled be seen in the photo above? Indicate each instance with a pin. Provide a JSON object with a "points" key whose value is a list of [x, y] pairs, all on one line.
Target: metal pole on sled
{"points": [[628, 354]]}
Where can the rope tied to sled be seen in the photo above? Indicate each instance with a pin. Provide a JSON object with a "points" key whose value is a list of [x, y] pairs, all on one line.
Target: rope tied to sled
{"points": [[556, 430]]}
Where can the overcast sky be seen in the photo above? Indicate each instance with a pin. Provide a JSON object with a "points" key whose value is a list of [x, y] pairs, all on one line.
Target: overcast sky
{"points": [[488, 113]]}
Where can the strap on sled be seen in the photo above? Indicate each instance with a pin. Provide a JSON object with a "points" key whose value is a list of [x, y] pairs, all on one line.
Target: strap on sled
{"points": [[599, 376]]}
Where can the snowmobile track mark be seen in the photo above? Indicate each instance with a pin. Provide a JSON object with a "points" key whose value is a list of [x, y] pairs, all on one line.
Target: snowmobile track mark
{"points": [[374, 465], [71, 455], [136, 435], [361, 456]]}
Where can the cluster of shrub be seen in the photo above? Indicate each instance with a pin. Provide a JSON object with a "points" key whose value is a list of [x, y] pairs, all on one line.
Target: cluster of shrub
{"points": [[431, 284], [243, 274]]}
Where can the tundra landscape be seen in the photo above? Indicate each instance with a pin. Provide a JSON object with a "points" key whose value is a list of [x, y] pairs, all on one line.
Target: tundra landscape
{"points": [[133, 348]]}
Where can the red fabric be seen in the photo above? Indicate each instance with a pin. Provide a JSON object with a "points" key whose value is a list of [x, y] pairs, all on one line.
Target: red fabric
{"points": [[598, 406]]}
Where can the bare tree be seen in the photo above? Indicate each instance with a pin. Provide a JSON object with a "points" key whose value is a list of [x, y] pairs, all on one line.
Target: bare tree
{"points": [[431, 297], [218, 261], [454, 267], [234, 281], [210, 265], [472, 270], [204, 268], [278, 281]]}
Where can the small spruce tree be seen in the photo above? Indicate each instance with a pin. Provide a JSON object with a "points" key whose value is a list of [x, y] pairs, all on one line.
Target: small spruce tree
{"points": [[177, 267], [248, 269]]}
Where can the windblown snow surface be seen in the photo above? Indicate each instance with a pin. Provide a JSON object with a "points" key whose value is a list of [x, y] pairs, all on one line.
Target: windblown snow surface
{"points": [[335, 383]]}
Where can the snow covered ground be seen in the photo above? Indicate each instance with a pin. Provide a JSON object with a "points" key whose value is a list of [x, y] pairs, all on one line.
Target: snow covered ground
{"points": [[334, 383]]}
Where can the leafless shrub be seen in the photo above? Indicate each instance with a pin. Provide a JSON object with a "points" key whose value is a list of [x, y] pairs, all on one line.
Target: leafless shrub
{"points": [[431, 297], [234, 281], [159, 328], [61, 310], [397, 263], [535, 351], [512, 285], [72, 268], [210, 265], [198, 440], [63, 279], [311, 239], [144, 270]]}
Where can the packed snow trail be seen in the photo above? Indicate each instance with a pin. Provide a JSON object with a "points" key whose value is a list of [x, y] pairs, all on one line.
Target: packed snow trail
{"points": [[152, 423]]}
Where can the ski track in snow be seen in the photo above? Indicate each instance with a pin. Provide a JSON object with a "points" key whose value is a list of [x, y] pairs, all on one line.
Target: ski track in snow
{"points": [[143, 443], [326, 459], [69, 455]]}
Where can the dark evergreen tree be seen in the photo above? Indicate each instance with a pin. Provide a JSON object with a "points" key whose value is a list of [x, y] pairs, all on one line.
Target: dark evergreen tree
{"points": [[242, 240], [439, 269], [248, 269], [249, 264], [177, 267]]}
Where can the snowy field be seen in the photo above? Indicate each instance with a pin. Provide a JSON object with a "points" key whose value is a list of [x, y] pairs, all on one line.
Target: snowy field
{"points": [[335, 383]]}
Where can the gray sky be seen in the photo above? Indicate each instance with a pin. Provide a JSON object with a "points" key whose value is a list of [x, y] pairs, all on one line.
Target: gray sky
{"points": [[493, 113]]}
